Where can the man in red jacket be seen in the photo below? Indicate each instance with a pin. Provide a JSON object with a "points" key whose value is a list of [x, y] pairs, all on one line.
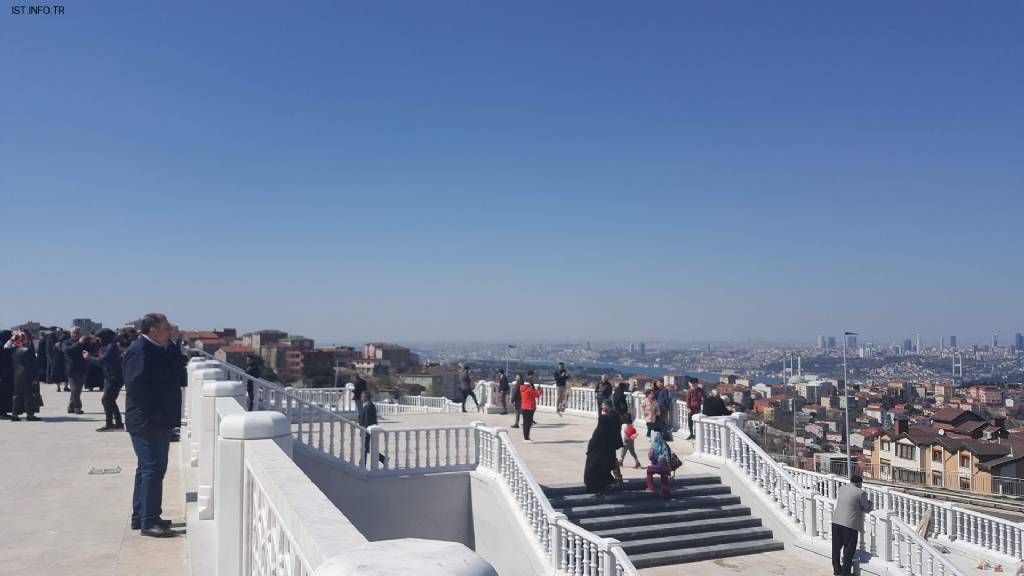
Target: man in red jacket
{"points": [[694, 399]]}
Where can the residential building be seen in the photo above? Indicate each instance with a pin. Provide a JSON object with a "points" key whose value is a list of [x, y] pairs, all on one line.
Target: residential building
{"points": [[261, 338], [233, 355], [86, 325], [391, 356]]}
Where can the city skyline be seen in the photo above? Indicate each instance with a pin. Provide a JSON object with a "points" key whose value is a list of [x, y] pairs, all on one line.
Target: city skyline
{"points": [[475, 172]]}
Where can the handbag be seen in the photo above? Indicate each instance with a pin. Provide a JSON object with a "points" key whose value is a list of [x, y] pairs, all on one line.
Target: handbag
{"points": [[674, 462]]}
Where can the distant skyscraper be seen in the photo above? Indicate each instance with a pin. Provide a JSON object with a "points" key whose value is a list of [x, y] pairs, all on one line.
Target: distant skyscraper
{"points": [[917, 348], [907, 346], [821, 342], [642, 348], [851, 341], [831, 342], [942, 343], [1018, 342], [952, 341], [995, 340]]}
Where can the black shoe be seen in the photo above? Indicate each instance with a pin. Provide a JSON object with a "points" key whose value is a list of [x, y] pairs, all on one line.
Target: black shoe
{"points": [[71, 410], [118, 426], [176, 438], [33, 418], [107, 428], [158, 531], [79, 412], [514, 426], [15, 418]]}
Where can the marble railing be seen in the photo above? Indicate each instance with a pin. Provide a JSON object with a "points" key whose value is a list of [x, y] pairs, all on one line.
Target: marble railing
{"points": [[947, 520], [568, 547]]}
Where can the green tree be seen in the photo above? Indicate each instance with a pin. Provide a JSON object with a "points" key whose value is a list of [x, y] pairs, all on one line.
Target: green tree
{"points": [[318, 377]]}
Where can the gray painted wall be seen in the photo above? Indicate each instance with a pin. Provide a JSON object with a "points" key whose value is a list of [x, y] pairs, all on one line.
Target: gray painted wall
{"points": [[433, 507], [502, 536]]}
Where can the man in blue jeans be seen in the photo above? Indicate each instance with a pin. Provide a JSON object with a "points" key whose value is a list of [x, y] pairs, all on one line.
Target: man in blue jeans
{"points": [[152, 403]]}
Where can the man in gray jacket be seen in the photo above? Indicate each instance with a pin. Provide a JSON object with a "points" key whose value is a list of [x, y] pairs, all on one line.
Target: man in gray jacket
{"points": [[847, 522]]}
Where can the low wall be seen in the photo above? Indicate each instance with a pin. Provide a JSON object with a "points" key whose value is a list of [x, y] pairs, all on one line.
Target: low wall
{"points": [[432, 506], [502, 537]]}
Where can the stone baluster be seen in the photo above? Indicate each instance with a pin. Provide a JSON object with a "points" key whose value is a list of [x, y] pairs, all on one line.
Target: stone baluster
{"points": [[208, 439], [229, 504], [199, 377]]}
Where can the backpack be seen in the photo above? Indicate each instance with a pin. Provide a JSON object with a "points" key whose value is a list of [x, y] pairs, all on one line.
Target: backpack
{"points": [[674, 462]]}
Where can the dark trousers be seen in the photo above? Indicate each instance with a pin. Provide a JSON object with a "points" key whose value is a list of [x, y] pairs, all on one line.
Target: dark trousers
{"points": [[76, 381], [519, 411], [504, 401], [466, 395], [111, 390], [151, 448], [844, 540], [248, 392], [527, 423], [689, 421]]}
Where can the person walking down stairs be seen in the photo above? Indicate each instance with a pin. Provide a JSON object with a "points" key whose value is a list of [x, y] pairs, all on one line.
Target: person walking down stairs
{"points": [[629, 435]]}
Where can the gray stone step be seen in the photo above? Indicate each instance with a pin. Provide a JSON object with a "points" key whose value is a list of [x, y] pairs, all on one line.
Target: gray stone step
{"points": [[652, 505], [684, 541], [629, 533], [638, 493], [664, 557], [645, 518], [555, 491]]}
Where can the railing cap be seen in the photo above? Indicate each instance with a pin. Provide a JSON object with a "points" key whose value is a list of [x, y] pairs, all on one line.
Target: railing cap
{"points": [[208, 374], [220, 388], [255, 426], [407, 556]]}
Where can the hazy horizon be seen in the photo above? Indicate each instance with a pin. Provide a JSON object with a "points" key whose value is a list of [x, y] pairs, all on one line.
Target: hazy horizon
{"points": [[699, 171]]}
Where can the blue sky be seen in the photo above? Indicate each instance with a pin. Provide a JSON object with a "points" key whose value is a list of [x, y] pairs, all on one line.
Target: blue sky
{"points": [[518, 171]]}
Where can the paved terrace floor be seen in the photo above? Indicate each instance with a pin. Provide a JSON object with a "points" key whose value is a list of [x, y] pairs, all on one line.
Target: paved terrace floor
{"points": [[58, 518], [557, 455]]}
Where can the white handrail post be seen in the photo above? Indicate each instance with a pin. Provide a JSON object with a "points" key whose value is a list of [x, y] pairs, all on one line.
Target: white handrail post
{"points": [[208, 439], [231, 515], [725, 437], [350, 398], [477, 432], [698, 437], [950, 522], [557, 553], [810, 514], [831, 486], [500, 435], [198, 378], [375, 434], [609, 556], [883, 535], [288, 403]]}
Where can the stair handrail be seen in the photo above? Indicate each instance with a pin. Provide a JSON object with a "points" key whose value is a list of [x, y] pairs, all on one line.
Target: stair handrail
{"points": [[918, 548], [567, 546]]}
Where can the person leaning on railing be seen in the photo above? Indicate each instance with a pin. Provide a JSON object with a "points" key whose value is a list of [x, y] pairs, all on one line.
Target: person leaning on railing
{"points": [[852, 504]]}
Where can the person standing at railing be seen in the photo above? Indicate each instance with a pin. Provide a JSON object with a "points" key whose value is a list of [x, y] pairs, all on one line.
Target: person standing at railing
{"points": [[357, 392], [664, 398], [467, 389], [152, 404], [852, 504], [503, 390], [650, 409], [517, 397], [620, 406], [529, 394], [713, 405], [254, 368], [367, 418], [694, 399], [562, 387]]}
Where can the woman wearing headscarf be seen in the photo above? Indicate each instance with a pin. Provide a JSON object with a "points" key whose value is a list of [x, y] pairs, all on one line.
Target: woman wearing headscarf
{"points": [[6, 374], [55, 372], [23, 358], [620, 403], [601, 458], [661, 458]]}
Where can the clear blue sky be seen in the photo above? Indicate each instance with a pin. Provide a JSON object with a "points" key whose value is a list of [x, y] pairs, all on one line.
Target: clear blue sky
{"points": [[518, 170]]}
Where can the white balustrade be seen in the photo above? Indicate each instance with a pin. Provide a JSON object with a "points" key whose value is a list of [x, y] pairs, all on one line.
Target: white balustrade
{"points": [[210, 423], [197, 379]]}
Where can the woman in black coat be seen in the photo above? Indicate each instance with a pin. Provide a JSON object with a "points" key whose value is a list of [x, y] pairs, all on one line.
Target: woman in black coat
{"points": [[619, 402], [601, 459], [6, 374], [55, 371], [23, 358]]}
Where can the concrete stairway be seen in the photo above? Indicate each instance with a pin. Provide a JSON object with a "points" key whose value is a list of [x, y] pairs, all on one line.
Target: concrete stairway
{"points": [[701, 521]]}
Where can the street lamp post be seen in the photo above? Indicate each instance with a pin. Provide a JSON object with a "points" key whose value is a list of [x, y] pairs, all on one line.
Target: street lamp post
{"points": [[508, 354], [846, 393]]}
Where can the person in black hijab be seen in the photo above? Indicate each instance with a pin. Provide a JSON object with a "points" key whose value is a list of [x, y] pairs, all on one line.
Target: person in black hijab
{"points": [[619, 402], [601, 450], [56, 372], [23, 358], [6, 374]]}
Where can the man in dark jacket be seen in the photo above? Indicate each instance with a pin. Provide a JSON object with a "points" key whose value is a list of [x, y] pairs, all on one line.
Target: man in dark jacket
{"points": [[152, 404], [113, 380], [713, 405], [74, 364], [357, 393], [664, 399], [367, 418], [503, 390]]}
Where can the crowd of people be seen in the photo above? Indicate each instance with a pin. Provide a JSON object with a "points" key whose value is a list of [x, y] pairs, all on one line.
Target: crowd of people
{"points": [[147, 363]]}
